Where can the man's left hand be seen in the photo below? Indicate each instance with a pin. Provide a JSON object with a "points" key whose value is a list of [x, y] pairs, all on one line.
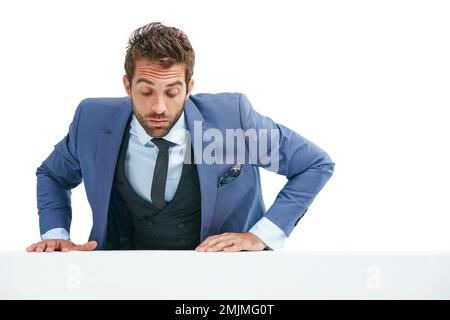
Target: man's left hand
{"points": [[231, 242]]}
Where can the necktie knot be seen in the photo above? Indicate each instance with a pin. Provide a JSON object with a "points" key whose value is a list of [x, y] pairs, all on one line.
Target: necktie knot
{"points": [[162, 144]]}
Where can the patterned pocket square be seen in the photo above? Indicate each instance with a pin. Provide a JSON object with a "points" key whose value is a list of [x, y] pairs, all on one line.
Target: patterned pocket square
{"points": [[230, 175]]}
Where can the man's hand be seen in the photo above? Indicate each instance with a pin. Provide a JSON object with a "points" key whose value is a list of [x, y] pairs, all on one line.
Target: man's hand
{"points": [[231, 242], [60, 245]]}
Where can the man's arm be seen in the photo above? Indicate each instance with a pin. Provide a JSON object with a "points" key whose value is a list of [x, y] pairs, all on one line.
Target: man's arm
{"points": [[56, 176], [305, 165]]}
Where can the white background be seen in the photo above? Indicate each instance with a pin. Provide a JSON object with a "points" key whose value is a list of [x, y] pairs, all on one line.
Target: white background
{"points": [[368, 81]]}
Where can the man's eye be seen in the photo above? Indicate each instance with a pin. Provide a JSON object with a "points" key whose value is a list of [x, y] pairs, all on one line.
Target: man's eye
{"points": [[146, 94], [172, 94]]}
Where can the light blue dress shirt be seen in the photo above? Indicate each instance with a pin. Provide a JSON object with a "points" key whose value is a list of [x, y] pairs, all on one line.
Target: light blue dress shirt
{"points": [[140, 162]]}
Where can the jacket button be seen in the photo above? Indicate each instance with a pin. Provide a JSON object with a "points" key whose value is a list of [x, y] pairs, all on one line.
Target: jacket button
{"points": [[180, 225], [149, 222]]}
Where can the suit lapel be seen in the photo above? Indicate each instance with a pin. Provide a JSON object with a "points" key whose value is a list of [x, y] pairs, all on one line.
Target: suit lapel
{"points": [[105, 164], [207, 173]]}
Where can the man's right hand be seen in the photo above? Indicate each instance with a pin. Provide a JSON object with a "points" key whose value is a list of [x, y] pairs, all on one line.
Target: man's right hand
{"points": [[60, 245]]}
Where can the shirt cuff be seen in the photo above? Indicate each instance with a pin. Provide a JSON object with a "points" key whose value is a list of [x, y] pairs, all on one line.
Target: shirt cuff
{"points": [[269, 233], [56, 233]]}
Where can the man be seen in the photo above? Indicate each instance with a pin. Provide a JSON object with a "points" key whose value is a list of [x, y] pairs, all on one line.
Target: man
{"points": [[166, 170]]}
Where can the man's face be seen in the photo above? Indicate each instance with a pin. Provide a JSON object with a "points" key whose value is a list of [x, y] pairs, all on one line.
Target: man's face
{"points": [[158, 95]]}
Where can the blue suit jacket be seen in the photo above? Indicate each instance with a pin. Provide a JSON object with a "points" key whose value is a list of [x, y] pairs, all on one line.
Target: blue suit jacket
{"points": [[89, 153]]}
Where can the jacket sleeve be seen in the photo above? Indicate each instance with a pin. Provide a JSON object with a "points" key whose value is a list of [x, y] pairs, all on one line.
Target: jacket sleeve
{"points": [[305, 165], [56, 176]]}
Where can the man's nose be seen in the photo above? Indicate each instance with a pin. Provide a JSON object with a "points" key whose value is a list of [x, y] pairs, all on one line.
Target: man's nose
{"points": [[159, 106]]}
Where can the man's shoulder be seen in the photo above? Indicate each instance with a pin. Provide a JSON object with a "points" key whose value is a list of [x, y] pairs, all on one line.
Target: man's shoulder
{"points": [[223, 97], [217, 104], [219, 110], [96, 113], [105, 103]]}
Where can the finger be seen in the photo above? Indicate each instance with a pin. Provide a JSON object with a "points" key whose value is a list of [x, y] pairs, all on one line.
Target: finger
{"points": [[224, 237], [40, 246], [32, 247], [208, 239], [215, 239], [218, 236], [202, 246], [234, 248], [65, 245], [91, 245], [220, 246], [51, 244]]}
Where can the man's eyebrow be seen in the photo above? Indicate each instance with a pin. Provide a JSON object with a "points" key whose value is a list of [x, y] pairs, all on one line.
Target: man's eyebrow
{"points": [[146, 81], [175, 83]]}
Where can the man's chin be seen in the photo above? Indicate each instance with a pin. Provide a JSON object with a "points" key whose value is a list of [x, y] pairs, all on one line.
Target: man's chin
{"points": [[158, 132]]}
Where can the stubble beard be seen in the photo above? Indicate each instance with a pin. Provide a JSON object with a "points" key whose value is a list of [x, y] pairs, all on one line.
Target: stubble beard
{"points": [[156, 131]]}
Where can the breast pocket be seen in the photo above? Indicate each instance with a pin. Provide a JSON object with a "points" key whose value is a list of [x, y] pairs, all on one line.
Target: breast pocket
{"points": [[227, 180], [232, 201]]}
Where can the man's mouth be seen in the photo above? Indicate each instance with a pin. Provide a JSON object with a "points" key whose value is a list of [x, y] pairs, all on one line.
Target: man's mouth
{"points": [[158, 121]]}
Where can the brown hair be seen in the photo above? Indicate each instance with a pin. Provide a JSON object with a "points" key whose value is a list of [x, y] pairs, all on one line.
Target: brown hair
{"points": [[162, 44]]}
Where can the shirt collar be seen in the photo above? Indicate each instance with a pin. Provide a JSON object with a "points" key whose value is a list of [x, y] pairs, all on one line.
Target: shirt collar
{"points": [[177, 134]]}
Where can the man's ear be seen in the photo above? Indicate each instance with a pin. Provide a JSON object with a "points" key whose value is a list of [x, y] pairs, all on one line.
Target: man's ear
{"points": [[190, 86], [127, 84]]}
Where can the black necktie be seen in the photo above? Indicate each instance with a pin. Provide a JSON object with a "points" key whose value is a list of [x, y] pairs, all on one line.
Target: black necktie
{"points": [[160, 173]]}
